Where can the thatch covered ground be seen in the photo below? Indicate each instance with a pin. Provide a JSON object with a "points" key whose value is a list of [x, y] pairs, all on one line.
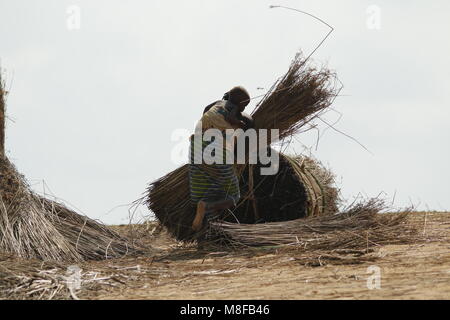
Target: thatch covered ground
{"points": [[414, 268]]}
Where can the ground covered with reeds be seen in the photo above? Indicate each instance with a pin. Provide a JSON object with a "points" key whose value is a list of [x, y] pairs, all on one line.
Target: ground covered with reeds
{"points": [[411, 267]]}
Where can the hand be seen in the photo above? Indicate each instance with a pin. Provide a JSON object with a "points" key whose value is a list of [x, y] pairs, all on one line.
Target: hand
{"points": [[248, 121]]}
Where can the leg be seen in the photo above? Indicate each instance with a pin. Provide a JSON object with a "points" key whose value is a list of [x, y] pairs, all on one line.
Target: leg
{"points": [[212, 206], [221, 204], [200, 214]]}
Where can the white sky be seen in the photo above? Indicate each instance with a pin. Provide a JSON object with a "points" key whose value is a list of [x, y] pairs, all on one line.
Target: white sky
{"points": [[94, 109]]}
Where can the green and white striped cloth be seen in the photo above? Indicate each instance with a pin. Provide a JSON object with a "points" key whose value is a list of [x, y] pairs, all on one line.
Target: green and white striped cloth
{"points": [[211, 182]]}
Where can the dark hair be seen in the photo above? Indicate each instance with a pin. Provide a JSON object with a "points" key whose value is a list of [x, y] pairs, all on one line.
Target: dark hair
{"points": [[237, 95]]}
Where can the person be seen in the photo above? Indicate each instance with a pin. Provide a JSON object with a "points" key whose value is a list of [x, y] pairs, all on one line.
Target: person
{"points": [[215, 187]]}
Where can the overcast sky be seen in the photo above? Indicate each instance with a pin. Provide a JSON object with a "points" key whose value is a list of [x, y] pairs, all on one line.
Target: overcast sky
{"points": [[93, 110]]}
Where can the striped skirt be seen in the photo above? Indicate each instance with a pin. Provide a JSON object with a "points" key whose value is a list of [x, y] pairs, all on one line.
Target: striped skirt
{"points": [[211, 182]]}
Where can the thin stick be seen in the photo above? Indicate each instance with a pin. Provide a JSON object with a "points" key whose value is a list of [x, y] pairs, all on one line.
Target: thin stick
{"points": [[2, 118], [252, 193]]}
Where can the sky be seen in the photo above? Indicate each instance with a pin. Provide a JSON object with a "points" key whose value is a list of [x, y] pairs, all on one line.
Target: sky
{"points": [[103, 93]]}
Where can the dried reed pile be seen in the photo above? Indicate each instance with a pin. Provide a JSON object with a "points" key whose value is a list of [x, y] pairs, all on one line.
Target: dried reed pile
{"points": [[35, 227], [302, 187], [169, 198], [46, 280], [295, 100], [31, 279], [359, 227]]}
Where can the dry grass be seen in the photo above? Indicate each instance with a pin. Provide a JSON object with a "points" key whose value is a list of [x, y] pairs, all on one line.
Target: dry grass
{"points": [[185, 272], [30, 279], [328, 195], [36, 280], [32, 226], [297, 98], [331, 198], [360, 227]]}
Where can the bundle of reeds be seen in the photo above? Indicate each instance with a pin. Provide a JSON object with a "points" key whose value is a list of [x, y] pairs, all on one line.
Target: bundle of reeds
{"points": [[358, 227], [302, 187], [295, 100], [32, 226]]}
